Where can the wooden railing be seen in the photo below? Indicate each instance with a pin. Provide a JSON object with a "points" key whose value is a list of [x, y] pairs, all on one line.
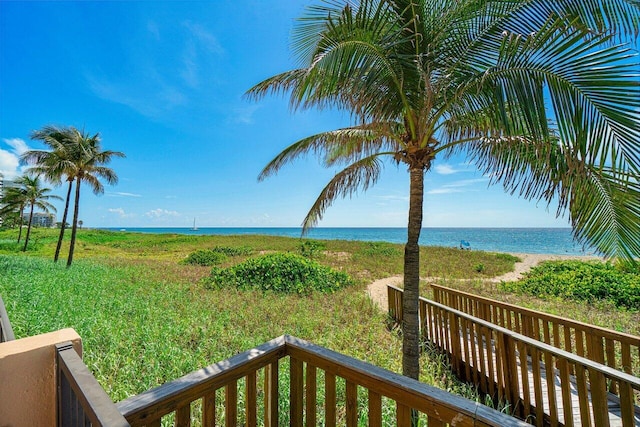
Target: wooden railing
{"points": [[6, 332], [512, 368], [320, 387], [81, 400], [615, 349]]}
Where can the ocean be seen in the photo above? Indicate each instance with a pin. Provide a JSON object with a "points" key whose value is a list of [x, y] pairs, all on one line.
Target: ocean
{"points": [[557, 241]]}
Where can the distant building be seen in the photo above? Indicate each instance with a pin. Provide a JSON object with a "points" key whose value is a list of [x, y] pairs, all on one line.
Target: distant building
{"points": [[41, 219]]}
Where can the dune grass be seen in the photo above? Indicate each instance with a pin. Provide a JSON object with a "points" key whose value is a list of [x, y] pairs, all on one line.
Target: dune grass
{"points": [[146, 317]]}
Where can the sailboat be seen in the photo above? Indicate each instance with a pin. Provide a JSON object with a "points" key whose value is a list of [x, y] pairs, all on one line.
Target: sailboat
{"points": [[194, 225]]}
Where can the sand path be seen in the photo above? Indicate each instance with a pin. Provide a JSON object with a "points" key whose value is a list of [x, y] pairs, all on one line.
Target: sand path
{"points": [[377, 290]]}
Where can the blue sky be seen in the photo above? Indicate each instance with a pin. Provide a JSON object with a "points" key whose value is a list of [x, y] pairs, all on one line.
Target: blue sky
{"points": [[163, 82]]}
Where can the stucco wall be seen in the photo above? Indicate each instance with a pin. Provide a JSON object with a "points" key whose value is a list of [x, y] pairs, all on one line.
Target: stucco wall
{"points": [[28, 379]]}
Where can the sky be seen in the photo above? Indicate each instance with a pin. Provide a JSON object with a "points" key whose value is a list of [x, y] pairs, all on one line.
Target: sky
{"points": [[164, 83]]}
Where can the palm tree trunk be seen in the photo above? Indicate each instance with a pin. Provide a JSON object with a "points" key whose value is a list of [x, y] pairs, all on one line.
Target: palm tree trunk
{"points": [[26, 239], [20, 224], [410, 323], [74, 225], [64, 221]]}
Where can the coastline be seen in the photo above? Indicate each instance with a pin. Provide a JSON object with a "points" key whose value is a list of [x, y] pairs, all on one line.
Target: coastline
{"points": [[556, 241]]}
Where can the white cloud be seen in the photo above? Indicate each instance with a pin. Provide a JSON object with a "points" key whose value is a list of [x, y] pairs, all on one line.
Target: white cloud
{"points": [[18, 145], [10, 159], [444, 190], [159, 213], [120, 212], [445, 170], [456, 186], [122, 194]]}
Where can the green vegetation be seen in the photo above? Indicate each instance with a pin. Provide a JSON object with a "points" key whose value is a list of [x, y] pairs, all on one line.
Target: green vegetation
{"points": [[233, 251], [454, 80], [280, 272], [580, 281], [145, 318], [205, 257], [311, 248]]}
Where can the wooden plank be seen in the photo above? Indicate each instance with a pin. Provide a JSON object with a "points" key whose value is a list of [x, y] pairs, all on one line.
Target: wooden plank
{"points": [[583, 396], [311, 395], [626, 358], [330, 399], [599, 398], [611, 361], [251, 404], [209, 409], [524, 376], [271, 395], [296, 398], [580, 342], [557, 338], [473, 337], [565, 384], [231, 404], [537, 385], [465, 325], [491, 373], [375, 409], [403, 415], [434, 422], [627, 405], [183, 416], [552, 404], [482, 347], [351, 404]]}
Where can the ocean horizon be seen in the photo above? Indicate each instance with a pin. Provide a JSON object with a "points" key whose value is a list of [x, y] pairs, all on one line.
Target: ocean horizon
{"points": [[555, 241]]}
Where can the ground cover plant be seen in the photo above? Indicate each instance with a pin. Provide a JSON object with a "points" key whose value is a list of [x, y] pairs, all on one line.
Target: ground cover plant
{"points": [[204, 257], [591, 282], [280, 272]]}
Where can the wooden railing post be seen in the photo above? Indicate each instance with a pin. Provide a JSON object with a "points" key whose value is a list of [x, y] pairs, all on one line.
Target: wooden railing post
{"points": [[271, 395], [81, 400]]}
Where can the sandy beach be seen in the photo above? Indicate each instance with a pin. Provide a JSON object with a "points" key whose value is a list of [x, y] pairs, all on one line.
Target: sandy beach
{"points": [[377, 290]]}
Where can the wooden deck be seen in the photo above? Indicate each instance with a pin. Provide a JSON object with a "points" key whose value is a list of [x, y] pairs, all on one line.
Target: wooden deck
{"points": [[515, 370], [554, 377]]}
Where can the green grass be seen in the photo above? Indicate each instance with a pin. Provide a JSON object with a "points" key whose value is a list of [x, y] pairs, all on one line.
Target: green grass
{"points": [[146, 318]]}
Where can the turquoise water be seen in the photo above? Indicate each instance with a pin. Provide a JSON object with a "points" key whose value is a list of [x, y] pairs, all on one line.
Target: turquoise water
{"points": [[557, 241]]}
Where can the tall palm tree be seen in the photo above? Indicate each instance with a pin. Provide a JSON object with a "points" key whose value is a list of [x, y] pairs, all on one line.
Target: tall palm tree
{"points": [[55, 164], [89, 159], [36, 197], [541, 95], [14, 200]]}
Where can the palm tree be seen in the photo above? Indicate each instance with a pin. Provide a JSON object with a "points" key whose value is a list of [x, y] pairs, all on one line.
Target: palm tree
{"points": [[89, 159], [36, 196], [541, 95], [57, 164], [14, 200]]}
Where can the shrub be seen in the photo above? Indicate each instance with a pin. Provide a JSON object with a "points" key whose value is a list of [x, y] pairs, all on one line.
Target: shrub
{"points": [[205, 257], [231, 251], [479, 267], [582, 281], [310, 248], [279, 272]]}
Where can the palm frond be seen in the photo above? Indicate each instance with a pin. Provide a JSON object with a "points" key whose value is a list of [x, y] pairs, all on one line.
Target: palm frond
{"points": [[339, 146], [358, 176]]}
